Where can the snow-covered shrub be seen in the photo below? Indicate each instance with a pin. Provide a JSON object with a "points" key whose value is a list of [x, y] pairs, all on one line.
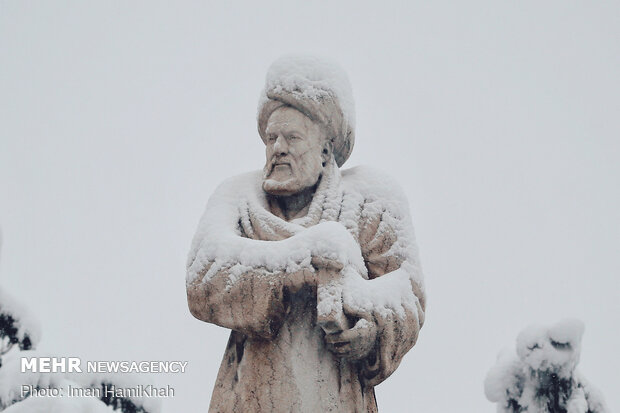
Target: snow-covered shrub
{"points": [[20, 330], [542, 376], [17, 326], [59, 405], [13, 400]]}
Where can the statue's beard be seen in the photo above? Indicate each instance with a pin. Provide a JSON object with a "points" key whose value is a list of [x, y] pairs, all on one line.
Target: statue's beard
{"points": [[301, 175]]}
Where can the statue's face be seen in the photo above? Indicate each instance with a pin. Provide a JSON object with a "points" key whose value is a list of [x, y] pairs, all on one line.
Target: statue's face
{"points": [[295, 152]]}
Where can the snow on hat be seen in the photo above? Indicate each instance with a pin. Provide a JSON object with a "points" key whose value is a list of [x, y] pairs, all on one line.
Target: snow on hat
{"points": [[319, 89]]}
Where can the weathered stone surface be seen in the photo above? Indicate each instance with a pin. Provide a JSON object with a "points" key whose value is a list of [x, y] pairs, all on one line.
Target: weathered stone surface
{"points": [[314, 270]]}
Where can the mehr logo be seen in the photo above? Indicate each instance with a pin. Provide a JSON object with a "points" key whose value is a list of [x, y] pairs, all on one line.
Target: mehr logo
{"points": [[51, 365], [73, 365]]}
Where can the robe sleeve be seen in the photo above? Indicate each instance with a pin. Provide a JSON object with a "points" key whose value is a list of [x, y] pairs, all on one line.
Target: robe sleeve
{"points": [[395, 279], [254, 304], [248, 298]]}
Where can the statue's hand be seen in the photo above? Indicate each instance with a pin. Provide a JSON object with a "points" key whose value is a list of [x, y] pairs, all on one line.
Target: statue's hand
{"points": [[354, 343]]}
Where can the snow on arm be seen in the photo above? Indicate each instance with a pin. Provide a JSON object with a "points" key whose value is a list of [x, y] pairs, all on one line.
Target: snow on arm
{"points": [[388, 246], [393, 295]]}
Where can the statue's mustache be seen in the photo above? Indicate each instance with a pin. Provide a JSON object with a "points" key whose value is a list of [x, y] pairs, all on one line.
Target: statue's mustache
{"points": [[276, 160]]}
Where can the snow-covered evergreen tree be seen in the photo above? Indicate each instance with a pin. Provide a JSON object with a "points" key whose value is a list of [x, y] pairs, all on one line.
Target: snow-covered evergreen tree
{"points": [[19, 336], [542, 376], [17, 326]]}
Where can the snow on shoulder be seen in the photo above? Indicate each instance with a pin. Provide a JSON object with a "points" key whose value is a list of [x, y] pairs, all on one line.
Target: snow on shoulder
{"points": [[376, 185]]}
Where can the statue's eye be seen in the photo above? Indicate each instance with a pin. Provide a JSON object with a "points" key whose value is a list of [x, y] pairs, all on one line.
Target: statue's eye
{"points": [[533, 347], [294, 137], [560, 346], [272, 138]]}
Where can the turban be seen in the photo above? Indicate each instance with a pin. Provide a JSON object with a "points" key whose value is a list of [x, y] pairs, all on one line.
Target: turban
{"points": [[317, 88]]}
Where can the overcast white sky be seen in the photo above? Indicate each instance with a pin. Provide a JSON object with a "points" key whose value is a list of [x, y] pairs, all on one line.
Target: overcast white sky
{"points": [[500, 120]]}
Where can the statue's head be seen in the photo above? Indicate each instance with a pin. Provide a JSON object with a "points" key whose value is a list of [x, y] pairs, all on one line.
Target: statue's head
{"points": [[306, 120], [297, 151]]}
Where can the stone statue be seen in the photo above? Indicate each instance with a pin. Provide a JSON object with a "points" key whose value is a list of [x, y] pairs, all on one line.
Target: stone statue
{"points": [[314, 269]]}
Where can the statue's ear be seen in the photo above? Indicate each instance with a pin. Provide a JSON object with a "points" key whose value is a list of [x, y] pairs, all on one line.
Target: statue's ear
{"points": [[327, 152]]}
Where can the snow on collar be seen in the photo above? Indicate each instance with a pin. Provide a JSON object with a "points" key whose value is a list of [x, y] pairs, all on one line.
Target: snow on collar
{"points": [[325, 204]]}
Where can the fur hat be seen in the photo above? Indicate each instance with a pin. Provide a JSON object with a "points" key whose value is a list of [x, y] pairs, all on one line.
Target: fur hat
{"points": [[317, 88]]}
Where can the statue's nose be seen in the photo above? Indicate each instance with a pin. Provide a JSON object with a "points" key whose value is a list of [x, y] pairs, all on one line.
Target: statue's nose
{"points": [[280, 147]]}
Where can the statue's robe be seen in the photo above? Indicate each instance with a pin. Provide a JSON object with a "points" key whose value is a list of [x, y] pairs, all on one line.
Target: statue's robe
{"points": [[239, 270]]}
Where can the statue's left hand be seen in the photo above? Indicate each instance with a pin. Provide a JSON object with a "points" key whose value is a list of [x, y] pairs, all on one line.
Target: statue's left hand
{"points": [[354, 343]]}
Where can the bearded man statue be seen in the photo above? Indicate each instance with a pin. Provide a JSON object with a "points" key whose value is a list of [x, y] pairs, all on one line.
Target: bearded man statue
{"points": [[314, 269]]}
